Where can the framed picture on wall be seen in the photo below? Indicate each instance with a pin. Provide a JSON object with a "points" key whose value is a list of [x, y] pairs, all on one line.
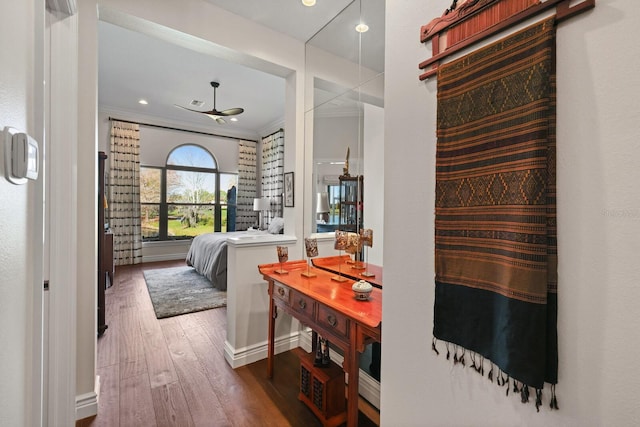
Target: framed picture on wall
{"points": [[288, 190]]}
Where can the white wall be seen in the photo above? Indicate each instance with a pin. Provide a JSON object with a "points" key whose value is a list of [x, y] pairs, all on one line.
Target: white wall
{"points": [[373, 184], [15, 80], [598, 228], [332, 136], [21, 106], [81, 66]]}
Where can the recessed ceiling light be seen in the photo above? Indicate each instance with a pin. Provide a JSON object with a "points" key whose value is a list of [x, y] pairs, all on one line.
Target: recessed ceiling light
{"points": [[309, 2], [234, 119], [362, 28], [143, 102]]}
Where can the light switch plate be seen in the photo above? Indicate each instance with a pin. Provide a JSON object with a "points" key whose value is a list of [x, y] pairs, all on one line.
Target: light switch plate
{"points": [[28, 156]]}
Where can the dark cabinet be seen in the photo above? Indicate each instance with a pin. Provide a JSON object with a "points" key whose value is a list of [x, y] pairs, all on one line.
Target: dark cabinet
{"points": [[322, 389], [105, 247], [350, 203]]}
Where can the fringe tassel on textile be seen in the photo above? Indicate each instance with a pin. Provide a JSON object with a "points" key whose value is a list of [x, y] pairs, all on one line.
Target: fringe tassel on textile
{"points": [[538, 399], [433, 346], [524, 393], [502, 379], [554, 402]]}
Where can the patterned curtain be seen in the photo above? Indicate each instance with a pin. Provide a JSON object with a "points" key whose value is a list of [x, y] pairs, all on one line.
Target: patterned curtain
{"points": [[123, 189], [273, 172], [247, 190]]}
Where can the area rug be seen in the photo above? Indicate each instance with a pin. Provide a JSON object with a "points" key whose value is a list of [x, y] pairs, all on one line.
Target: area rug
{"points": [[495, 252], [181, 290]]}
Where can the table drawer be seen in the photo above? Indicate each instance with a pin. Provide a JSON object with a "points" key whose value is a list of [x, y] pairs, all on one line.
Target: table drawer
{"points": [[302, 304], [333, 321], [281, 292]]}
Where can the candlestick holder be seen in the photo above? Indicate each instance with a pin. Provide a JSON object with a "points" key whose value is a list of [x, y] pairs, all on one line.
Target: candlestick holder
{"points": [[311, 247], [366, 239], [342, 239], [283, 256]]}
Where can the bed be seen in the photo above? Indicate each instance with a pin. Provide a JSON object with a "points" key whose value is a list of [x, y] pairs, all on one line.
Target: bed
{"points": [[208, 252]]}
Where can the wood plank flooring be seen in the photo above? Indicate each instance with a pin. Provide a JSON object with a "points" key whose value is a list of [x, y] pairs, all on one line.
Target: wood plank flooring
{"points": [[172, 372]]}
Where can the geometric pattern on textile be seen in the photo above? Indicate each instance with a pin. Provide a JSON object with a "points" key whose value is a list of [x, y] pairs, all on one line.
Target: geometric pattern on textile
{"points": [[273, 173], [495, 215]]}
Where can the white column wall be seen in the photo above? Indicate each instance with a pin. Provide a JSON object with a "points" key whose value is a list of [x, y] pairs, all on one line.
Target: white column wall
{"points": [[21, 107], [248, 301]]}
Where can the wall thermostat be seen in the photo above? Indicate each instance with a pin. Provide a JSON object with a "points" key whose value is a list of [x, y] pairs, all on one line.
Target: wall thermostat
{"points": [[20, 156]]}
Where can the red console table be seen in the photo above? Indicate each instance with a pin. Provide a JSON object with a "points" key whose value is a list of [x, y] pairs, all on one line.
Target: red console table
{"points": [[330, 309]]}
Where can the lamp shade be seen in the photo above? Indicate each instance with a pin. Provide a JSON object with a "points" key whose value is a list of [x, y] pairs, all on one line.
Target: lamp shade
{"points": [[322, 202], [261, 204]]}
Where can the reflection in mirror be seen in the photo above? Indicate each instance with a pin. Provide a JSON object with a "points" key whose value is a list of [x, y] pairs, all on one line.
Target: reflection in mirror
{"points": [[345, 110]]}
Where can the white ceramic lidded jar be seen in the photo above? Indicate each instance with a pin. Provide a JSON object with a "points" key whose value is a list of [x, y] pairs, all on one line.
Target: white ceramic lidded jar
{"points": [[362, 289]]}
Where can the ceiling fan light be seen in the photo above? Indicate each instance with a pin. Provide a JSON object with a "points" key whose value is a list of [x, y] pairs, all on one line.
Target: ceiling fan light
{"points": [[309, 3], [234, 119]]}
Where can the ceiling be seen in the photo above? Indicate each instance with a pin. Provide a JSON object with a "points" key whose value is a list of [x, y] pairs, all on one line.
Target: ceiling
{"points": [[286, 16], [134, 66]]}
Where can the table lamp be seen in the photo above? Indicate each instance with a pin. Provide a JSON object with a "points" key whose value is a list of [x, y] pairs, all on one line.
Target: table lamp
{"points": [[322, 206], [261, 205]]}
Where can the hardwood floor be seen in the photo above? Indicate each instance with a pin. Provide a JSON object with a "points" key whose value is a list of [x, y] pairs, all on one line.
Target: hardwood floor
{"points": [[172, 372]]}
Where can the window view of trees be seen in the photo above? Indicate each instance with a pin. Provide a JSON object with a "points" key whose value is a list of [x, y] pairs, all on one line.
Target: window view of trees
{"points": [[150, 198], [183, 199]]}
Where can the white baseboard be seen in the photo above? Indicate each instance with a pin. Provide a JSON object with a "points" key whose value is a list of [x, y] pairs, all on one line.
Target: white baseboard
{"points": [[369, 387], [164, 257], [244, 356], [87, 403]]}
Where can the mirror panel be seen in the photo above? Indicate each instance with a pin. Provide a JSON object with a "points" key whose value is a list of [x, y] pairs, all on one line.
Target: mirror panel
{"points": [[344, 108]]}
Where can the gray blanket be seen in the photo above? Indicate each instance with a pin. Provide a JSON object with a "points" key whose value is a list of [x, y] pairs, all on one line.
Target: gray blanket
{"points": [[208, 255]]}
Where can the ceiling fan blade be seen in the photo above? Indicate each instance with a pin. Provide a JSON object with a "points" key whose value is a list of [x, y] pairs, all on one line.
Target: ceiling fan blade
{"points": [[215, 114], [189, 109], [231, 111]]}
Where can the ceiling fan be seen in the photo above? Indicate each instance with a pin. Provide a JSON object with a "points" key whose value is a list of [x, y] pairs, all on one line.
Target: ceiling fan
{"points": [[215, 114]]}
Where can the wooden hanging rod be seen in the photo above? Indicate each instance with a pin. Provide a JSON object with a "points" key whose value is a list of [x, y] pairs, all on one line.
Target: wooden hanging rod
{"points": [[272, 133], [563, 11]]}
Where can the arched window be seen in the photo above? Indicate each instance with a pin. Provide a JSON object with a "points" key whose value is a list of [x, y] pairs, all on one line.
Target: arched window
{"points": [[186, 197]]}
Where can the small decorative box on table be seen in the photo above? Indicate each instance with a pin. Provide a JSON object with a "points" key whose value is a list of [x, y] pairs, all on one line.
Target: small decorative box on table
{"points": [[322, 389]]}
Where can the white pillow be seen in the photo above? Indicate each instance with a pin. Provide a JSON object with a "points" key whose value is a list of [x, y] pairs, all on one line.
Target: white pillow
{"points": [[276, 225]]}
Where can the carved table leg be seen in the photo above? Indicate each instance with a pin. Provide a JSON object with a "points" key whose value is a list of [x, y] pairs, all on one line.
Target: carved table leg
{"points": [[352, 357], [273, 313]]}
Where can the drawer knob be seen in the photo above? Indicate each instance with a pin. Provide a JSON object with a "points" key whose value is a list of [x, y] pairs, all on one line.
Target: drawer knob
{"points": [[332, 320], [302, 303], [281, 291]]}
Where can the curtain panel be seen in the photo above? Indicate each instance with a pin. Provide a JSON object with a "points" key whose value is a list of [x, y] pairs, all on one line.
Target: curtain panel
{"points": [[273, 172], [247, 185], [123, 189]]}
